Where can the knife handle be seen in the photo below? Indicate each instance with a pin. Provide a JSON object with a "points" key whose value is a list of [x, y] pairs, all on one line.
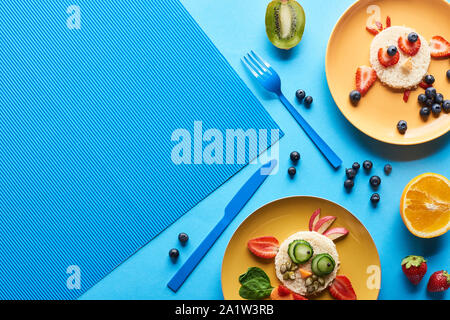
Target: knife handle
{"points": [[182, 274]]}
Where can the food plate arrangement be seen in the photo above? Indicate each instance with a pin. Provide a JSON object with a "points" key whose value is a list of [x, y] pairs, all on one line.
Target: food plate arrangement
{"points": [[315, 242], [394, 48]]}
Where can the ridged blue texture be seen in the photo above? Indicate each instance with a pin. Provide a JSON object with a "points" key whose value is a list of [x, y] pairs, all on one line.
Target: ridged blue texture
{"points": [[85, 123]]}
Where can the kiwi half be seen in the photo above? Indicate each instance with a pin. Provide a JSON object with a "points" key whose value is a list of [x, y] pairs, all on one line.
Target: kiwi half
{"points": [[285, 23]]}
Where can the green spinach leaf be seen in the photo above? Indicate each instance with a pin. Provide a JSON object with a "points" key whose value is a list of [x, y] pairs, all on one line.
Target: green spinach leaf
{"points": [[253, 272], [255, 284]]}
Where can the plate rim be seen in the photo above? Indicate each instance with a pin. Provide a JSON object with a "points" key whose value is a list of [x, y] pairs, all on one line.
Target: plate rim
{"points": [[327, 58], [301, 197]]}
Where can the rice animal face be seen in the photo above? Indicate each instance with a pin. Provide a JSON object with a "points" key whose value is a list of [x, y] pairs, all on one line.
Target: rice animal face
{"points": [[409, 71], [320, 244]]}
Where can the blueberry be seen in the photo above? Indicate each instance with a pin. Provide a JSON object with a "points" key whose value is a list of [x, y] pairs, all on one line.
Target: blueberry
{"points": [[367, 165], [292, 171], [402, 126], [413, 37], [375, 198], [446, 106], [174, 253], [392, 51], [355, 96], [183, 237], [295, 156], [351, 173], [422, 98], [349, 184], [436, 109], [429, 103], [439, 98], [375, 181], [425, 112], [300, 94], [448, 74], [387, 169], [429, 79], [308, 100], [356, 166], [430, 93]]}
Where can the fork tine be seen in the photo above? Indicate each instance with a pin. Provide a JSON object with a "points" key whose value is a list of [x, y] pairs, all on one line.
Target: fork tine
{"points": [[249, 68], [261, 60], [254, 69], [258, 64]]}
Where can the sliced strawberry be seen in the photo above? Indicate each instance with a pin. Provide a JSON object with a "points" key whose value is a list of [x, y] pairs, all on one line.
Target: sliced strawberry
{"points": [[372, 30], [440, 48], [264, 247], [283, 291], [425, 85], [379, 25], [388, 22], [296, 296], [406, 95], [409, 48], [386, 60], [365, 78], [342, 289], [274, 295]]}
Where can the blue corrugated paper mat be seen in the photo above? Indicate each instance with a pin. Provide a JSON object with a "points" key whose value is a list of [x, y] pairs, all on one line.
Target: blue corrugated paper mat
{"points": [[87, 113]]}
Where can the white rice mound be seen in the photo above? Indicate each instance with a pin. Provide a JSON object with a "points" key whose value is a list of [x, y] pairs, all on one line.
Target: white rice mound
{"points": [[396, 76], [320, 244]]}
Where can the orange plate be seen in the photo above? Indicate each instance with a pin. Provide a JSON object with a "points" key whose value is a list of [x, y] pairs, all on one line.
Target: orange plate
{"points": [[380, 110], [282, 218]]}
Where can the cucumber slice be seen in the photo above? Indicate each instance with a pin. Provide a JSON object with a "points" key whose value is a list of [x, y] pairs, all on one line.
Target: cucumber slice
{"points": [[303, 251], [322, 264], [298, 251], [291, 250]]}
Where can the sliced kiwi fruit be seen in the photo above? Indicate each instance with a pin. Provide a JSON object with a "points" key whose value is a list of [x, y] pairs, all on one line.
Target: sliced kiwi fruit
{"points": [[285, 23]]}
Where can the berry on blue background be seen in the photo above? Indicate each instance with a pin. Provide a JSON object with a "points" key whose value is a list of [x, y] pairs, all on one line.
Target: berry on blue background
{"points": [[308, 100], [295, 156], [367, 165], [300, 94], [292, 171], [349, 184]]}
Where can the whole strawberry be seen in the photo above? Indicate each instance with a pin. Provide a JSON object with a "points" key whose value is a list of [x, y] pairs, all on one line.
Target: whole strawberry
{"points": [[414, 267], [439, 281]]}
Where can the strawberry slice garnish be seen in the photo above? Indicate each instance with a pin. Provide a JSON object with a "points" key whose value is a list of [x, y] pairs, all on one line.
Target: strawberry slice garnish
{"points": [[283, 291], [406, 95], [296, 296], [264, 247], [440, 48], [388, 22], [386, 60], [342, 289], [365, 78], [425, 85], [409, 48], [372, 30]]}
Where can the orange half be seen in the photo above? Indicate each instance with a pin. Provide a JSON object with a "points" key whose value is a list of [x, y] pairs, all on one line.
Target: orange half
{"points": [[425, 205]]}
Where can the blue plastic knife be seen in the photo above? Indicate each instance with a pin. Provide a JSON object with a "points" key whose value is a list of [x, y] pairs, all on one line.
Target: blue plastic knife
{"points": [[231, 211]]}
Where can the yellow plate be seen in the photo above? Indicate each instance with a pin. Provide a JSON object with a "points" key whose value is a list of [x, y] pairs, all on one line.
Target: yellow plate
{"points": [[357, 251], [380, 110]]}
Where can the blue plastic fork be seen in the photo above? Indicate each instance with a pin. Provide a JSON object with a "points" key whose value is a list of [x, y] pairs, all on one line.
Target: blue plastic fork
{"points": [[271, 81]]}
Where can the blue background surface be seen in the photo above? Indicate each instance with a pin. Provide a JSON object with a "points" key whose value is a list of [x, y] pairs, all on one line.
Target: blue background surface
{"points": [[236, 26]]}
